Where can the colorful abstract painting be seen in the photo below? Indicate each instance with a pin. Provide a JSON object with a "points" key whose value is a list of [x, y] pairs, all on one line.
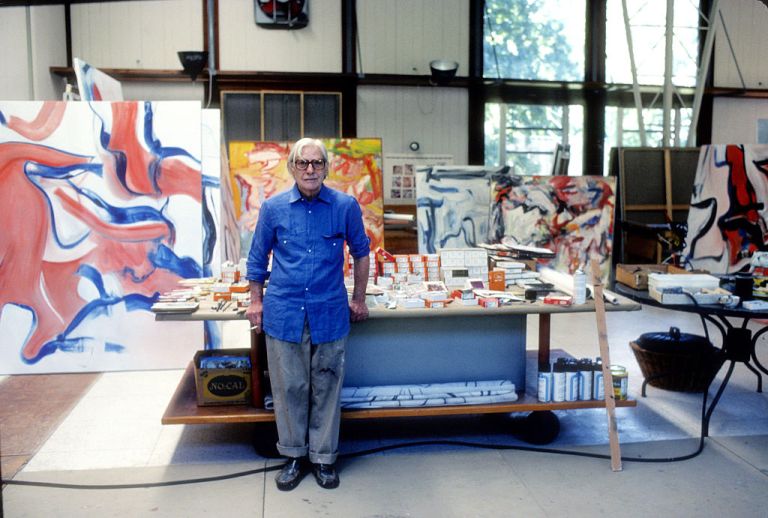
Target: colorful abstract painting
{"points": [[728, 216], [258, 170], [570, 215], [452, 206], [102, 210], [95, 85]]}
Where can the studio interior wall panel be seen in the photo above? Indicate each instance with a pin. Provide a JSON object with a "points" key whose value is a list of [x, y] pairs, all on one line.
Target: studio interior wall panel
{"points": [[144, 34], [737, 120], [48, 32], [434, 117], [746, 21], [154, 91], [15, 74], [403, 36], [244, 46]]}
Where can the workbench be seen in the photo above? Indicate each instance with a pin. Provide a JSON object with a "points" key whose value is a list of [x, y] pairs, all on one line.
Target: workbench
{"points": [[397, 346]]}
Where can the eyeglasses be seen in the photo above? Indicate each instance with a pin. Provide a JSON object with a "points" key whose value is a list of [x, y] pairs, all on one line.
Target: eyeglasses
{"points": [[317, 164]]}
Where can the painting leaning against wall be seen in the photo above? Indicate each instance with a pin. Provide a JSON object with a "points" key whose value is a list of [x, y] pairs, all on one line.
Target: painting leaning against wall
{"points": [[570, 215], [258, 170], [452, 206], [102, 210], [728, 216]]}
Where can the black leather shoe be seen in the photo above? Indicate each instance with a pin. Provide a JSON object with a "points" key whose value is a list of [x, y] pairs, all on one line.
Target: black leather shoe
{"points": [[291, 474], [326, 475]]}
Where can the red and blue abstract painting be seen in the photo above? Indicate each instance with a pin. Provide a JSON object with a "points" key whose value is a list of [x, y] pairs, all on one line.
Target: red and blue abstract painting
{"points": [[728, 216], [103, 208]]}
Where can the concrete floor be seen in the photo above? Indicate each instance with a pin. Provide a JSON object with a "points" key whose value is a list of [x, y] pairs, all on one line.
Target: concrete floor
{"points": [[113, 435]]}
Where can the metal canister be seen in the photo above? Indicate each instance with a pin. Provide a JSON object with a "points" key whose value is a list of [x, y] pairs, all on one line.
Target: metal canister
{"points": [[620, 381]]}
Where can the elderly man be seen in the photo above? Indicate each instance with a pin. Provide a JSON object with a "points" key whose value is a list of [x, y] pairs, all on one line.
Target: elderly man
{"points": [[305, 312]]}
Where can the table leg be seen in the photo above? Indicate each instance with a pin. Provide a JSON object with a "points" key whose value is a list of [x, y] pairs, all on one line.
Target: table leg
{"points": [[707, 414], [544, 329], [257, 385]]}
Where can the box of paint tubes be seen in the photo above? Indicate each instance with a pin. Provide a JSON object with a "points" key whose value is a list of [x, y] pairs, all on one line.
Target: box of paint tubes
{"points": [[223, 377]]}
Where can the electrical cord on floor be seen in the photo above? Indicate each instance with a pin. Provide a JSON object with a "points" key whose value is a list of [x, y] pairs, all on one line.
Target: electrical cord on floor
{"points": [[360, 453]]}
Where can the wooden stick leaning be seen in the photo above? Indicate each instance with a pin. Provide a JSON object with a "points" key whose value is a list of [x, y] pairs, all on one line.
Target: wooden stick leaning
{"points": [[610, 402]]}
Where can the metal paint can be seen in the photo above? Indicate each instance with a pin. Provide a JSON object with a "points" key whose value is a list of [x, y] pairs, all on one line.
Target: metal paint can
{"points": [[545, 383], [571, 381], [558, 380], [585, 379], [597, 381], [620, 381]]}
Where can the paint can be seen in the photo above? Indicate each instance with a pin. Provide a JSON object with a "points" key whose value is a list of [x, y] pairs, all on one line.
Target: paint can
{"points": [[585, 379], [571, 380], [558, 380], [620, 381], [545, 383], [598, 387]]}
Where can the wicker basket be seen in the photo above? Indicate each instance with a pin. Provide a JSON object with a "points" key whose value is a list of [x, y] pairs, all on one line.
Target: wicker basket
{"points": [[682, 370]]}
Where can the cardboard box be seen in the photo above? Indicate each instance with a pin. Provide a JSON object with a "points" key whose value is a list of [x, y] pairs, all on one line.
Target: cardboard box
{"points": [[497, 280], [488, 302], [636, 275], [222, 386]]}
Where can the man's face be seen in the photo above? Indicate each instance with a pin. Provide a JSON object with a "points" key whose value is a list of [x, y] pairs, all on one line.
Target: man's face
{"points": [[309, 180]]}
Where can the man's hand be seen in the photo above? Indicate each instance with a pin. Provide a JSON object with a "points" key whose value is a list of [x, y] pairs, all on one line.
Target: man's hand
{"points": [[253, 313], [358, 311]]}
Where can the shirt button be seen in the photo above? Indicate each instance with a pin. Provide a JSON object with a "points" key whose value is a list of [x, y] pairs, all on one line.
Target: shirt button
{"points": [[285, 241], [310, 212], [302, 308], [309, 250], [306, 289]]}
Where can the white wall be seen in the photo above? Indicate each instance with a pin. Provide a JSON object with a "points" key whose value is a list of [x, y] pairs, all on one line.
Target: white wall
{"points": [[16, 72], [244, 46], [734, 121], [33, 39], [136, 34], [436, 118], [48, 31], [403, 36], [747, 23]]}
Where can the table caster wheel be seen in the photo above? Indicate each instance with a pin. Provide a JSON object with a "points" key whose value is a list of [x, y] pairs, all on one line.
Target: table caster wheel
{"points": [[265, 441], [540, 427]]}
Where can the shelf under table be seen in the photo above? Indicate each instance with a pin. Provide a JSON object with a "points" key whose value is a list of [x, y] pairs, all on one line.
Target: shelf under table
{"points": [[183, 409]]}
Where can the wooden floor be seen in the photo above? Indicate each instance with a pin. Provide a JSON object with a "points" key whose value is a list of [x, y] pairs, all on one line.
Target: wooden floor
{"points": [[31, 408]]}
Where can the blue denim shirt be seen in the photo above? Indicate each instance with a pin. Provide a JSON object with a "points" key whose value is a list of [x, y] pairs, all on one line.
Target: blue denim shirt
{"points": [[306, 239]]}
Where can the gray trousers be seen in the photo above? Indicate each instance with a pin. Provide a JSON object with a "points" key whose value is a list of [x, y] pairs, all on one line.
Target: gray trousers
{"points": [[306, 381]]}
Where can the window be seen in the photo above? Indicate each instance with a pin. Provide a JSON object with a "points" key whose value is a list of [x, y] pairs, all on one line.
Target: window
{"points": [[536, 50], [541, 40], [622, 129], [280, 116], [527, 136], [647, 20]]}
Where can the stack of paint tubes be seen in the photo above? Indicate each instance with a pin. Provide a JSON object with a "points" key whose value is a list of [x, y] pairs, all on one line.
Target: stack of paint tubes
{"points": [[570, 380]]}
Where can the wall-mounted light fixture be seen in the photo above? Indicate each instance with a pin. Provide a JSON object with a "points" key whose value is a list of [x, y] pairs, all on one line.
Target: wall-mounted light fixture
{"points": [[442, 71], [193, 61], [414, 146]]}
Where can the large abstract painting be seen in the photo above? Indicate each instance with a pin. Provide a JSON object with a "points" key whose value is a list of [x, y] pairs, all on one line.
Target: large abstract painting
{"points": [[570, 215], [728, 217], [452, 206], [102, 210], [259, 170]]}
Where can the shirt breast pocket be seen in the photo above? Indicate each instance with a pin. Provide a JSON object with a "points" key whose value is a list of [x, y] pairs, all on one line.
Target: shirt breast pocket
{"points": [[290, 241], [334, 245]]}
